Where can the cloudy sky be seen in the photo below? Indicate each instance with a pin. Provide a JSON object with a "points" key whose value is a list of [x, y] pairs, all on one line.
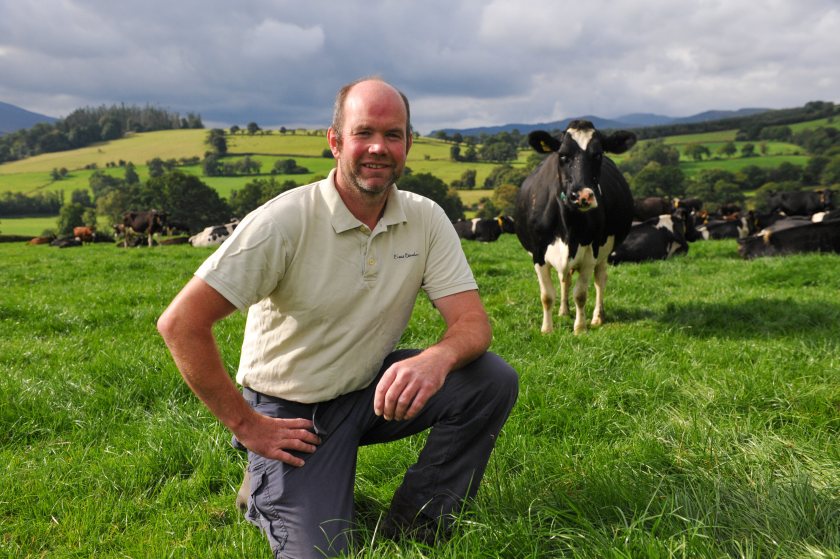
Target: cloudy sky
{"points": [[462, 63]]}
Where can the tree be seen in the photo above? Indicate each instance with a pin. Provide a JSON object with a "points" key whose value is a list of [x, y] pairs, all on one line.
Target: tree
{"points": [[256, 193], [455, 153], [466, 182], [131, 176], [831, 172], [253, 128], [697, 151], [288, 167], [497, 151], [435, 189], [155, 167], [217, 141], [748, 149], [211, 166], [71, 215], [728, 149], [658, 180], [646, 152], [186, 199]]}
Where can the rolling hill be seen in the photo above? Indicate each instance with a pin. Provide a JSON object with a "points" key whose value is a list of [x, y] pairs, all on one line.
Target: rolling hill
{"points": [[13, 118], [630, 121]]}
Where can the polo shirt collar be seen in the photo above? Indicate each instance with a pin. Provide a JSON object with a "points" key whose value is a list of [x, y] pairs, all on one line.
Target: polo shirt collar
{"points": [[341, 218]]}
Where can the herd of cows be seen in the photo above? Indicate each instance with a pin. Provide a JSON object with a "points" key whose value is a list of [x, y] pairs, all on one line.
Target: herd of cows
{"points": [[576, 214], [139, 229]]}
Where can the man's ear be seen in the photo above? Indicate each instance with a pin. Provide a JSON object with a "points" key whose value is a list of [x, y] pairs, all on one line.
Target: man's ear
{"points": [[332, 140], [409, 142]]}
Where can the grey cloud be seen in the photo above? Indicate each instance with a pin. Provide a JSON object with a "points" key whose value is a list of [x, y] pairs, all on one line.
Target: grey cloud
{"points": [[469, 63]]}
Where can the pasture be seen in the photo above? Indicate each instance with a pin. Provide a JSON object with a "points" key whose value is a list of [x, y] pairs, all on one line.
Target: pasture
{"points": [[701, 420]]}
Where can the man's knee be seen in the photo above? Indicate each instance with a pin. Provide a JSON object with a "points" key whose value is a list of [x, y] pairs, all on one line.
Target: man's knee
{"points": [[490, 383]]}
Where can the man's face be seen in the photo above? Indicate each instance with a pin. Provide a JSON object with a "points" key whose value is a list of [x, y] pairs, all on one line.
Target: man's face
{"points": [[372, 147]]}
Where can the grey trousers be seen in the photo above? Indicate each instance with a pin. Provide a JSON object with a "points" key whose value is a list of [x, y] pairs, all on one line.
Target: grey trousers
{"points": [[308, 512]]}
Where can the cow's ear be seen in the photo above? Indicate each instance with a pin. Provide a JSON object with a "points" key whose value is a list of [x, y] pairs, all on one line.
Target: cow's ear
{"points": [[619, 141], [543, 142]]}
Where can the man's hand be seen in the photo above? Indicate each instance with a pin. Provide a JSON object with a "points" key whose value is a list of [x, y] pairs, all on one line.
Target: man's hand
{"points": [[407, 385], [274, 438]]}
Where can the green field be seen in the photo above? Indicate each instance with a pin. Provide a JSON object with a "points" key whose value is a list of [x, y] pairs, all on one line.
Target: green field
{"points": [[701, 420]]}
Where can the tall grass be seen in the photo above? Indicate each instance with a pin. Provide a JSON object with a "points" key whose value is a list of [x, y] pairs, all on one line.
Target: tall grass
{"points": [[700, 421]]}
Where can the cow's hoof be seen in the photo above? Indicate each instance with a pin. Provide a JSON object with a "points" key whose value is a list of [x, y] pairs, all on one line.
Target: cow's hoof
{"points": [[244, 492]]}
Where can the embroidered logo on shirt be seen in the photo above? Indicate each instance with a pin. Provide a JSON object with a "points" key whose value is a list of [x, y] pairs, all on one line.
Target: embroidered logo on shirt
{"points": [[405, 255]]}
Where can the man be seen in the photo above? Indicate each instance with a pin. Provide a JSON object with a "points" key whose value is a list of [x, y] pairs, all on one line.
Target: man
{"points": [[329, 273]]}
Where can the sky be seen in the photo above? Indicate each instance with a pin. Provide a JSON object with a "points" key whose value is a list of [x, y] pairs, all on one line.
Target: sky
{"points": [[461, 63]]}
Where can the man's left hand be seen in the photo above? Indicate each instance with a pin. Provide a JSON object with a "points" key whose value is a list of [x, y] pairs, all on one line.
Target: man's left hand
{"points": [[406, 386]]}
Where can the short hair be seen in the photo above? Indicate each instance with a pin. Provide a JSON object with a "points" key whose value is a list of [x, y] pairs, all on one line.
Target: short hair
{"points": [[341, 97]]}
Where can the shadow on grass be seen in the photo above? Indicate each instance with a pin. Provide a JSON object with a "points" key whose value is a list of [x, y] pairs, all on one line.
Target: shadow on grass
{"points": [[750, 318]]}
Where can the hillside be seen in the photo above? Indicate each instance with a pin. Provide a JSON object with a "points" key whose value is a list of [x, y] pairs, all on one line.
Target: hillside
{"points": [[630, 121], [13, 118]]}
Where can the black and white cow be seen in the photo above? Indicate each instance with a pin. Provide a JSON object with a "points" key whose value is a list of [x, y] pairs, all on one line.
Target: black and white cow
{"points": [[145, 223], [479, 229], [657, 238], [801, 202], [790, 236], [213, 235], [725, 229], [651, 206], [572, 212]]}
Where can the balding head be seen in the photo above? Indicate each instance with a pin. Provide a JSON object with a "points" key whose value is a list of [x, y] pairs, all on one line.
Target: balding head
{"points": [[371, 85]]}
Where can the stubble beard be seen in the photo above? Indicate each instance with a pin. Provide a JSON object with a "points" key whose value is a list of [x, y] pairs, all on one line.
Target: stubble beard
{"points": [[354, 177]]}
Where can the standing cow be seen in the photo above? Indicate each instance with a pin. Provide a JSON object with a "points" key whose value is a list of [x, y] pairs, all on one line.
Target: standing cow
{"points": [[144, 223], [572, 212]]}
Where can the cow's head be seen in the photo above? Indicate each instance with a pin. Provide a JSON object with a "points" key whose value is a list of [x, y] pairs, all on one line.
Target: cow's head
{"points": [[580, 151]]}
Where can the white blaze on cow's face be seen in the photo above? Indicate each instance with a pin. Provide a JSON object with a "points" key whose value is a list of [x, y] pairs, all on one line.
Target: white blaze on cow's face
{"points": [[579, 168]]}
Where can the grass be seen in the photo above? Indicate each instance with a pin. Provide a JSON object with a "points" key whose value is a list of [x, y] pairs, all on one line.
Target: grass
{"points": [[700, 421]]}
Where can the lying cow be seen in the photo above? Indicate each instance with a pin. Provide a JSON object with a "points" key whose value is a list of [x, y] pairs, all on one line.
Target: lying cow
{"points": [[657, 238], [213, 235], [85, 234], [725, 229], [792, 236], [485, 230]]}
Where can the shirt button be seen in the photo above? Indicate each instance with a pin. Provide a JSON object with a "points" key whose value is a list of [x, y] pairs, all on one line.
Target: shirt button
{"points": [[371, 261], [364, 229]]}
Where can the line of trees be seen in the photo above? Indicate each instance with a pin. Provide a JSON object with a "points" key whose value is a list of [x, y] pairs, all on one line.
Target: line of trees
{"points": [[89, 125]]}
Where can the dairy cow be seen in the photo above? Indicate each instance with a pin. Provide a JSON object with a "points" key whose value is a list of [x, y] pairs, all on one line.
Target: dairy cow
{"points": [[657, 238], [478, 229], [791, 236], [213, 235], [801, 202], [572, 212], [651, 206], [145, 223]]}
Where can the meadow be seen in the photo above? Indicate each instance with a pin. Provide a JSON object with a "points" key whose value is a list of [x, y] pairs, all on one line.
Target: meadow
{"points": [[701, 420]]}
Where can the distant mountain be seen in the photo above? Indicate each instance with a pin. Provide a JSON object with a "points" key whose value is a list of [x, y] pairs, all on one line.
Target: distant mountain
{"points": [[14, 118], [634, 120]]}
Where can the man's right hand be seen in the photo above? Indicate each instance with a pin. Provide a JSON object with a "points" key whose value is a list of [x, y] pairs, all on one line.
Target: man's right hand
{"points": [[275, 438]]}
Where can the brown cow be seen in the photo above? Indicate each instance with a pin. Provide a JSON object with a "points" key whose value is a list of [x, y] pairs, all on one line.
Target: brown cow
{"points": [[84, 234]]}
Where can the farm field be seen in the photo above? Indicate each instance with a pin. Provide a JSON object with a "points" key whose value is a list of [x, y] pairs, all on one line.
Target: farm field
{"points": [[701, 420], [31, 175]]}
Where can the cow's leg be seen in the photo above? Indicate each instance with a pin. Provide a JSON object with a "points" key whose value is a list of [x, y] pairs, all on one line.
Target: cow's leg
{"points": [[150, 236], [600, 286], [547, 295], [565, 288], [580, 293]]}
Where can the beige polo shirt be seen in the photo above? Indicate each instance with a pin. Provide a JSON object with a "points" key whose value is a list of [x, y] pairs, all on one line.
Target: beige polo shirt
{"points": [[328, 298]]}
